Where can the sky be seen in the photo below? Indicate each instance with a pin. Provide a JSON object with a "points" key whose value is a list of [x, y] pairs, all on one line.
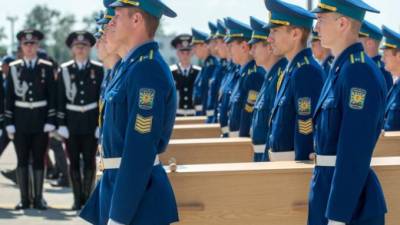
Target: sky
{"points": [[191, 13]]}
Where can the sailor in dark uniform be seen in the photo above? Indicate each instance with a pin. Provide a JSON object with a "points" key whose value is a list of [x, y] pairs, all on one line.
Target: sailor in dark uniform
{"points": [[77, 113], [30, 114], [184, 74]]}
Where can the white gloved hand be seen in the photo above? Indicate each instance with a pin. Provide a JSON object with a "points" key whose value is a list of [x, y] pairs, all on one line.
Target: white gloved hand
{"points": [[63, 132], [332, 222], [10, 131], [48, 127], [112, 222], [97, 133]]}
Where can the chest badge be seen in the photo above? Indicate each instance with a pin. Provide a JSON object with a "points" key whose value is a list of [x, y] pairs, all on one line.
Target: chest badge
{"points": [[146, 98], [357, 98]]}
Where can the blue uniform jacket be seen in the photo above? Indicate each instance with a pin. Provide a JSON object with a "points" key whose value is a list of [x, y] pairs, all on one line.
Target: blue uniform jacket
{"points": [[201, 85], [392, 111], [243, 98], [215, 84], [291, 117], [327, 64], [263, 107], [224, 98], [139, 117], [388, 76], [349, 119]]}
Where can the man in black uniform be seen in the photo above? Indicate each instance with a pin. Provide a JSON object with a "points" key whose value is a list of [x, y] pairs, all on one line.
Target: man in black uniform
{"points": [[30, 114], [4, 70], [78, 94], [184, 74]]}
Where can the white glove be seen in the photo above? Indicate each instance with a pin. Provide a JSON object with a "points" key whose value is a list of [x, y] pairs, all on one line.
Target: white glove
{"points": [[332, 222], [63, 132], [97, 133], [10, 131], [112, 222], [48, 127]]}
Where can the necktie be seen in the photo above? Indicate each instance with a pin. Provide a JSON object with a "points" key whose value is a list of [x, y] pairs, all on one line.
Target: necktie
{"points": [[185, 72]]}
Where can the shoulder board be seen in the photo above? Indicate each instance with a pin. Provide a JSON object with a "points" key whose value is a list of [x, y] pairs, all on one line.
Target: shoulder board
{"points": [[357, 58], [16, 62], [173, 67], [96, 63], [148, 56], [303, 62], [196, 67], [252, 70], [45, 62], [66, 64]]}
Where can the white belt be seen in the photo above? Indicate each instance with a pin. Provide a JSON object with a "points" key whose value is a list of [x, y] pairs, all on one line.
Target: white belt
{"points": [[30, 105], [82, 108], [259, 148], [114, 163], [210, 113], [225, 130], [186, 112], [325, 160], [198, 108], [281, 156], [234, 134]]}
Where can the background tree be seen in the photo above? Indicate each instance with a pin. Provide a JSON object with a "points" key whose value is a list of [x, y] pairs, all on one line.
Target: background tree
{"points": [[61, 29]]}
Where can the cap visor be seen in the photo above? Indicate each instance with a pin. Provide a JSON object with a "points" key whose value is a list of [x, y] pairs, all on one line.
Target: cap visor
{"points": [[117, 4], [319, 10]]}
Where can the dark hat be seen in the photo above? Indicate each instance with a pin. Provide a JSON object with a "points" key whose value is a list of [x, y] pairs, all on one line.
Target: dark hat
{"points": [[182, 42], [259, 32], [285, 14], [80, 37], [199, 37], [237, 29], [355, 9], [213, 30], [30, 35], [221, 32], [371, 31], [392, 38], [7, 59], [153, 7]]}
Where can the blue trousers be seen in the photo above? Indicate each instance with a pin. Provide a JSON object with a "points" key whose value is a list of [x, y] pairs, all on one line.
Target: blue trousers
{"points": [[373, 221]]}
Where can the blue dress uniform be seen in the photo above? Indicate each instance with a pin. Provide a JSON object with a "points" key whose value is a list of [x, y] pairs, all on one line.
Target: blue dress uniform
{"points": [[392, 111], [201, 84], [139, 117], [217, 79], [369, 30], [266, 97], [246, 90], [226, 89], [349, 118], [291, 117]]}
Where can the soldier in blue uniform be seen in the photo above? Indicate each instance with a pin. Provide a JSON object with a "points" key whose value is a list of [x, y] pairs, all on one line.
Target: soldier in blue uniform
{"points": [[139, 116], [201, 84], [227, 84], [274, 65], [371, 38], [348, 122], [246, 90], [221, 51], [391, 56], [291, 132], [323, 55]]}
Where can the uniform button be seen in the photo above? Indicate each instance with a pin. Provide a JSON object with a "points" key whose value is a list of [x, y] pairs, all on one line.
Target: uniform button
{"points": [[29, 92], [186, 98], [82, 92], [30, 84], [31, 99], [185, 106], [185, 89], [81, 83], [82, 101]]}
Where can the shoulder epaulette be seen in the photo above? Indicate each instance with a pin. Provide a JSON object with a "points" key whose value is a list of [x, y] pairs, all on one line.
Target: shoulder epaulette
{"points": [[196, 67], [149, 56], [45, 62], [357, 58], [97, 63], [173, 67], [66, 64], [16, 62], [252, 70], [306, 61]]}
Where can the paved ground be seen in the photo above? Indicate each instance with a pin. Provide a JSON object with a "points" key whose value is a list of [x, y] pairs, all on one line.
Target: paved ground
{"points": [[59, 199]]}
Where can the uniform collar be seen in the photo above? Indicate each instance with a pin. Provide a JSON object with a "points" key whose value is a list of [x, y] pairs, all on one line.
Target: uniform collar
{"points": [[140, 50], [377, 58], [249, 65], [279, 64]]}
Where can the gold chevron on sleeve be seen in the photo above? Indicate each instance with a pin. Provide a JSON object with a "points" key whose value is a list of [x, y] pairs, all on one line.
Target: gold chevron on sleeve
{"points": [[143, 124], [305, 126]]}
